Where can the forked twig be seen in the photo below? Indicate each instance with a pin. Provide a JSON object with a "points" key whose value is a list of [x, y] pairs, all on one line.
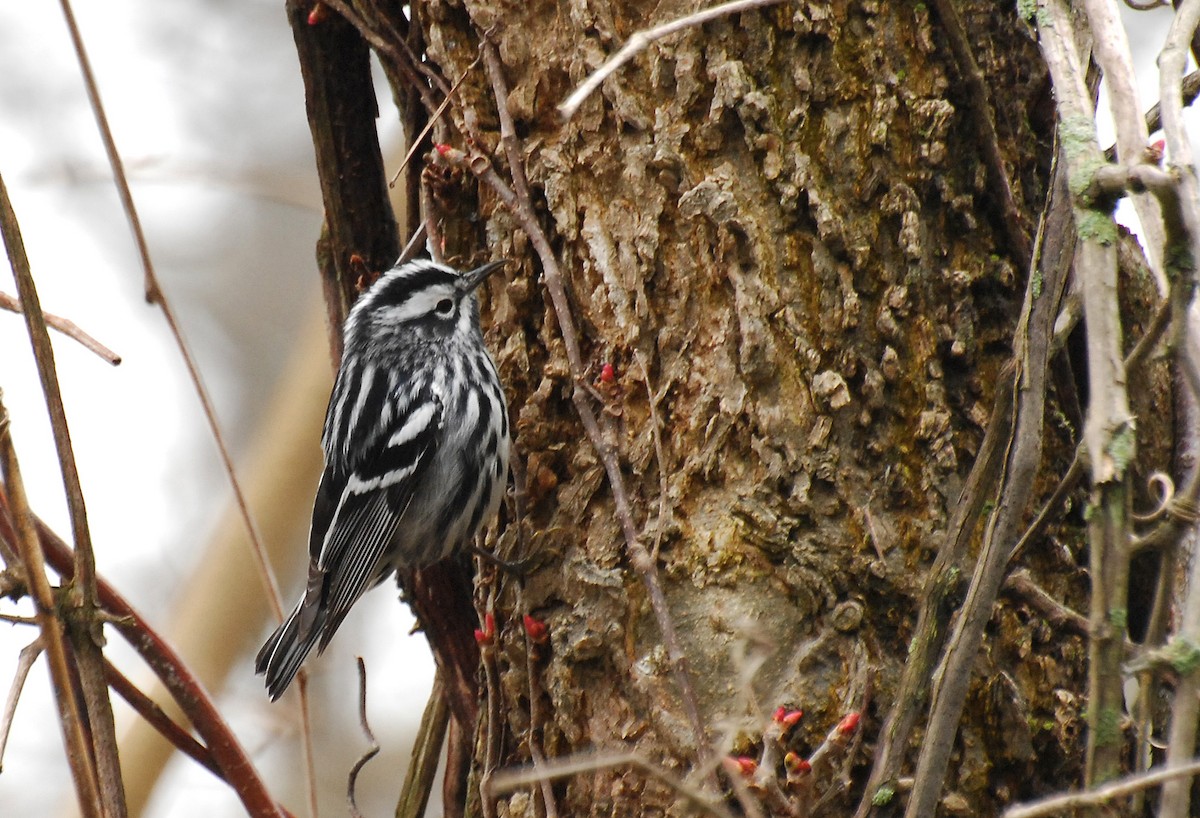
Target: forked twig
{"points": [[71, 719], [67, 327], [237, 768], [78, 615], [641, 39]]}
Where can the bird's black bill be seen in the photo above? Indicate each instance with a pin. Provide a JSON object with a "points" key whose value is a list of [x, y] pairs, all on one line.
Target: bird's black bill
{"points": [[477, 276]]}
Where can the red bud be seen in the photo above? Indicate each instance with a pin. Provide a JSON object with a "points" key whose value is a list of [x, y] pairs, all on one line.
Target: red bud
{"points": [[741, 764], [790, 718], [795, 764], [317, 15], [849, 723], [537, 630], [442, 148], [607, 374], [487, 633]]}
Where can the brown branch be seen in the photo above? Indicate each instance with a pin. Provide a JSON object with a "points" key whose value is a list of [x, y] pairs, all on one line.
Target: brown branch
{"points": [[149, 710], [520, 205], [1182, 217], [66, 327], [1053, 256], [426, 753], [155, 295], [1108, 434], [184, 687], [62, 672], [1022, 458], [78, 616]]}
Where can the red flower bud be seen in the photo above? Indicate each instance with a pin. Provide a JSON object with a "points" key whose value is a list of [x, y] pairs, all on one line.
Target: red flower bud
{"points": [[607, 374], [795, 764], [849, 723], [537, 630], [442, 148], [741, 764], [318, 14]]}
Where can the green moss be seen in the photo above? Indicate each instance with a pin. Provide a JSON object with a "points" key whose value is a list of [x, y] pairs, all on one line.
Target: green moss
{"points": [[1092, 225], [1108, 726], [1183, 654], [883, 796], [1123, 446], [1037, 282], [1027, 9], [1119, 618]]}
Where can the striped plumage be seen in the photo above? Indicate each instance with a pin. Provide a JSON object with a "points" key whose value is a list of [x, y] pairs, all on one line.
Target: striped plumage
{"points": [[416, 450]]}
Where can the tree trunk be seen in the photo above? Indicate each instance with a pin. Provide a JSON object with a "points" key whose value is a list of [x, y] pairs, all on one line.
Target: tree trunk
{"points": [[796, 274]]}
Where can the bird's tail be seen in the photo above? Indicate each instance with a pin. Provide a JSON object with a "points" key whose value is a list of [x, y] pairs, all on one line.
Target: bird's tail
{"points": [[281, 655]]}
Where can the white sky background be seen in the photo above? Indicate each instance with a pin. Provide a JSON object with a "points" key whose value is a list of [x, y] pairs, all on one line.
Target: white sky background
{"points": [[207, 109]]}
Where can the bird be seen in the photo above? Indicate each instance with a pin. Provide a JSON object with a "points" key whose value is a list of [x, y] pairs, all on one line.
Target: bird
{"points": [[416, 445]]}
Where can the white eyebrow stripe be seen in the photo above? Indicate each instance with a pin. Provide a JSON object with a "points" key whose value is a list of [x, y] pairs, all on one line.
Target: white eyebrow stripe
{"points": [[417, 305]]}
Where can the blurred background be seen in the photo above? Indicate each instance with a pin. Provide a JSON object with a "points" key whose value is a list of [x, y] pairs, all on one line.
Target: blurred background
{"points": [[207, 109]]}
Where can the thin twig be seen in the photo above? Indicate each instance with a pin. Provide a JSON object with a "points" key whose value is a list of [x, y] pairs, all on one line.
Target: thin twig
{"points": [[372, 749], [78, 616], [520, 205], [641, 39], [70, 711], [1176, 795], [511, 779], [441, 109], [66, 327], [1069, 802], [25, 660], [155, 295]]}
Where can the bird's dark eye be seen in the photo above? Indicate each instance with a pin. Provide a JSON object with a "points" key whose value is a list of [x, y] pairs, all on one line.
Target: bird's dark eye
{"points": [[444, 307]]}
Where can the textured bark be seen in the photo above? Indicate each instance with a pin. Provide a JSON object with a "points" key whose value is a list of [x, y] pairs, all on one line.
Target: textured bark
{"points": [[779, 231]]}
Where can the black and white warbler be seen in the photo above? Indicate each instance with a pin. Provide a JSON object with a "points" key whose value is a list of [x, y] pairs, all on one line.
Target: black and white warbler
{"points": [[416, 450]]}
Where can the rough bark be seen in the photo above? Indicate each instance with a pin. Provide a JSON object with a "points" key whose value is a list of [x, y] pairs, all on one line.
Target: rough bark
{"points": [[780, 231]]}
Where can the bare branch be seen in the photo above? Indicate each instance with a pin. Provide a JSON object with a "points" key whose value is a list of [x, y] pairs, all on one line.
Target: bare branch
{"points": [[66, 327], [28, 656], [426, 752], [149, 710], [1058, 804], [641, 39], [70, 711], [155, 295], [509, 780]]}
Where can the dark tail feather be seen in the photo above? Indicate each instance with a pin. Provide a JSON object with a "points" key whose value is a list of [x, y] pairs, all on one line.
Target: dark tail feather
{"points": [[285, 650]]}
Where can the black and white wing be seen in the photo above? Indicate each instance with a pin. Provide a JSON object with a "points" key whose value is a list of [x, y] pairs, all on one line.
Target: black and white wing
{"points": [[358, 509]]}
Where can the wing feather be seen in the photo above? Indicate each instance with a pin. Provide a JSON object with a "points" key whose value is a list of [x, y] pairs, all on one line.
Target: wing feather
{"points": [[358, 511]]}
